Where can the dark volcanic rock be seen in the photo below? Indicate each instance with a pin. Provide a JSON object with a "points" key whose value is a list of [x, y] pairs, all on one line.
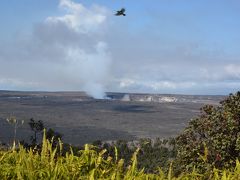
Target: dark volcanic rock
{"points": [[83, 119]]}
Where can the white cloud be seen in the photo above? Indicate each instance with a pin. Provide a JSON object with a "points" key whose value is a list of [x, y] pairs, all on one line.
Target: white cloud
{"points": [[153, 85], [80, 18], [16, 83], [126, 83], [233, 70]]}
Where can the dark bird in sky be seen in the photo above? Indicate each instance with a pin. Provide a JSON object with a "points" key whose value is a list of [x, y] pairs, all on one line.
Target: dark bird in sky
{"points": [[121, 12]]}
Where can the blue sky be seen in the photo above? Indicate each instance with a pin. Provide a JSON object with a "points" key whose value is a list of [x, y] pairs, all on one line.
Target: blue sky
{"points": [[161, 46]]}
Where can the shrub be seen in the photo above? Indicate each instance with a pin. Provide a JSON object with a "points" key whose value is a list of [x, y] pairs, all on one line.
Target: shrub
{"points": [[212, 139]]}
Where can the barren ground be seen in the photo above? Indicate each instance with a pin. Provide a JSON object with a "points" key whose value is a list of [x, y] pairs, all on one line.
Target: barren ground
{"points": [[82, 119]]}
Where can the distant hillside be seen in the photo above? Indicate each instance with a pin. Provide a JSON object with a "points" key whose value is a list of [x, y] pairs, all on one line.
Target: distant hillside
{"points": [[160, 98]]}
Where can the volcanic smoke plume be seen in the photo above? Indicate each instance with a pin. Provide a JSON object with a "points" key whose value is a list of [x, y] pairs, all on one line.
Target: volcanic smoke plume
{"points": [[85, 54], [65, 52]]}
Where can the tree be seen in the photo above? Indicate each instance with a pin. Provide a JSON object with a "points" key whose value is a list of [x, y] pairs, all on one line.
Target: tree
{"points": [[53, 136], [212, 139], [155, 154], [36, 127]]}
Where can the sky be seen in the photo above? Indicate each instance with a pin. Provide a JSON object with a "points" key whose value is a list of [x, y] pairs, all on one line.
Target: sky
{"points": [[160, 46]]}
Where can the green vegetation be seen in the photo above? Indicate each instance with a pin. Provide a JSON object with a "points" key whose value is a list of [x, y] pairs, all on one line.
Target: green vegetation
{"points": [[88, 164], [36, 127], [208, 148], [212, 139], [151, 154]]}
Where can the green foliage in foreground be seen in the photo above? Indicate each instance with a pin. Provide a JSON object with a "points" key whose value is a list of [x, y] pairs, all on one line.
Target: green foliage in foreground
{"points": [[89, 164], [212, 139], [151, 154]]}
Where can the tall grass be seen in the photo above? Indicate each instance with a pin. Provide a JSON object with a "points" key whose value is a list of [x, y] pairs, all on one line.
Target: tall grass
{"points": [[89, 164]]}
